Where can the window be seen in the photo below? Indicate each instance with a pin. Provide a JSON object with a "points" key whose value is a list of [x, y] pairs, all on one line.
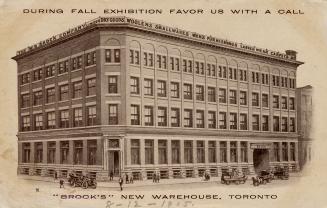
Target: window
{"points": [[243, 121], [148, 115], [184, 65], [199, 93], [233, 152], [292, 106], [244, 152], [174, 89], [64, 119], [64, 151], [37, 74], [265, 123], [200, 151], [91, 87], [50, 95], [51, 120], [232, 73], [79, 62], [135, 115], [113, 114], [63, 67], [148, 146], [255, 123], [78, 119], [222, 120], [276, 123], [255, 77], [222, 95], [78, 152], [50, 71], [284, 102], [190, 66], [265, 100], [292, 151], [188, 91], [232, 97], [276, 151], [243, 98], [211, 94], [91, 115], [134, 57], [161, 61], [275, 101], [188, 151], [51, 152], [148, 59], [38, 122], [175, 117], [108, 58], [74, 63], [38, 152], [188, 122], [88, 60], [77, 89], [284, 124], [112, 84], [117, 55], [25, 100], [162, 89], [222, 72], [135, 152], [162, 116], [148, 87], [211, 119], [135, 87], [212, 151], [26, 123], [174, 64], [284, 151], [162, 151], [292, 124], [233, 121], [25, 78], [91, 152], [175, 151], [243, 75], [200, 119], [223, 152], [63, 92], [38, 98], [255, 99], [26, 152]]}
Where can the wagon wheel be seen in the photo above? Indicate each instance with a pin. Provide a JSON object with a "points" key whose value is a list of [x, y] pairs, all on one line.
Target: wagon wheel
{"points": [[227, 182], [94, 185], [222, 181], [237, 182], [264, 182], [268, 180], [85, 185], [243, 182], [71, 182]]}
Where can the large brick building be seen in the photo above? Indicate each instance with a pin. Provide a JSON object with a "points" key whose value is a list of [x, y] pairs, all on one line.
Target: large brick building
{"points": [[128, 96]]}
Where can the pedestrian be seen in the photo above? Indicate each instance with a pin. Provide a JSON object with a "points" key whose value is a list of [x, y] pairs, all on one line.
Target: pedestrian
{"points": [[55, 175], [61, 183], [154, 177], [126, 176], [158, 177], [111, 176], [121, 181], [131, 179]]}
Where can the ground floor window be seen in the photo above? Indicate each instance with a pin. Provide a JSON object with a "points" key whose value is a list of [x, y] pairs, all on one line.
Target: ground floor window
{"points": [[200, 151], [284, 151], [64, 150], [244, 152], [148, 144], [233, 152], [223, 152], [188, 152], [38, 152], [276, 151], [78, 152], [51, 152], [175, 151], [135, 151], [292, 151], [26, 152], [91, 152], [162, 151], [212, 151]]}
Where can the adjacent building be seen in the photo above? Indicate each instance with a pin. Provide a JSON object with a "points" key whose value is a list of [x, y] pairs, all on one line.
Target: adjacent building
{"points": [[304, 120], [122, 95]]}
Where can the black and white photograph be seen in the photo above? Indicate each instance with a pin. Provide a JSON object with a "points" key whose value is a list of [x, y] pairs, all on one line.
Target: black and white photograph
{"points": [[159, 104]]}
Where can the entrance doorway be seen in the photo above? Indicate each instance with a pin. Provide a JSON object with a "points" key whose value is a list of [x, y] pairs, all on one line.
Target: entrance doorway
{"points": [[260, 159], [114, 163]]}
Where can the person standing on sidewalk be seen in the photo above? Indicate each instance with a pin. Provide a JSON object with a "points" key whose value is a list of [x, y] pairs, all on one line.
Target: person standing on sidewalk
{"points": [[111, 176], [121, 181]]}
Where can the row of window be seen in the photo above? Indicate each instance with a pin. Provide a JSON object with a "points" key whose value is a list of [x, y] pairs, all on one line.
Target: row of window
{"points": [[200, 93], [161, 62], [49, 120], [63, 93], [51, 147], [236, 122], [200, 148], [62, 67]]}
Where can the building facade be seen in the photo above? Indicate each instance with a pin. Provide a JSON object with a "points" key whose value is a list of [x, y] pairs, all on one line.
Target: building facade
{"points": [[304, 120], [127, 96]]}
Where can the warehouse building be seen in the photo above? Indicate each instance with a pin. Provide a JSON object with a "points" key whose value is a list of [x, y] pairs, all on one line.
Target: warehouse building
{"points": [[122, 95]]}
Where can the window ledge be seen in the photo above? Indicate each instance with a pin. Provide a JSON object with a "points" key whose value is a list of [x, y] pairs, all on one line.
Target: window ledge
{"points": [[112, 94]]}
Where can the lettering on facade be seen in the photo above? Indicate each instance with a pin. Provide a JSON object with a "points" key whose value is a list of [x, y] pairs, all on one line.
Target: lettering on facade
{"points": [[260, 145]]}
